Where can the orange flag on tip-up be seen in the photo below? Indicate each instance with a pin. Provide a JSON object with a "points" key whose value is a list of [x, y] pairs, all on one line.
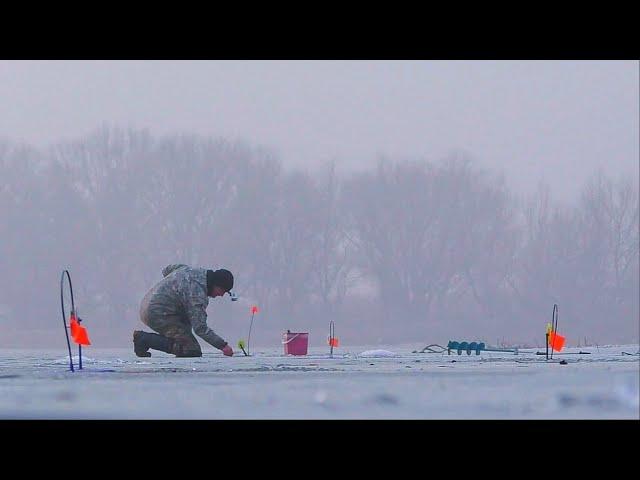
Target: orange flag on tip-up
{"points": [[73, 323], [334, 342], [254, 309], [82, 337], [556, 341], [78, 332]]}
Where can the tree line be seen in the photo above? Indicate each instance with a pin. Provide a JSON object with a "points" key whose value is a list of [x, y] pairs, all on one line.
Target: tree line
{"points": [[406, 251]]}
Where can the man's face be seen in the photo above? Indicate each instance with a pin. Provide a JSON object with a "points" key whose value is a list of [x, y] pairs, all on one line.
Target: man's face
{"points": [[217, 292]]}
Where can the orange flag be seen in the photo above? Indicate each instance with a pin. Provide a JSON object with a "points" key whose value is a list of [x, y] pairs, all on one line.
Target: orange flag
{"points": [[556, 341], [334, 342], [73, 323], [254, 309], [81, 337], [78, 332]]}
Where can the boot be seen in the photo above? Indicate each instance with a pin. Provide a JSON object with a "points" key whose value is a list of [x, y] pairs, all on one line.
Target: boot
{"points": [[143, 341], [139, 346]]}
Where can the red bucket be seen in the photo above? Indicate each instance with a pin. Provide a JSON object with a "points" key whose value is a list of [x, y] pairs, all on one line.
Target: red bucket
{"points": [[295, 343]]}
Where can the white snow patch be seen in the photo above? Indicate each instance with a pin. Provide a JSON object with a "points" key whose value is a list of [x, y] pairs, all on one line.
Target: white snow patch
{"points": [[377, 354]]}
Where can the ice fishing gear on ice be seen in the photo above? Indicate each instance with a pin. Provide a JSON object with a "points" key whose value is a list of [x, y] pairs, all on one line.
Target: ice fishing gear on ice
{"points": [[332, 339], [295, 343], [254, 310], [469, 347], [430, 349], [79, 333], [241, 347], [555, 341]]}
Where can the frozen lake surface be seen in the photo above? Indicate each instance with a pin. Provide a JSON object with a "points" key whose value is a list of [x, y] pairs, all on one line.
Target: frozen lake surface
{"points": [[115, 384]]}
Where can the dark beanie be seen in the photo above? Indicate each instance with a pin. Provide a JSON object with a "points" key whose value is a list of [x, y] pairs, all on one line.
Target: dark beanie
{"points": [[221, 278]]}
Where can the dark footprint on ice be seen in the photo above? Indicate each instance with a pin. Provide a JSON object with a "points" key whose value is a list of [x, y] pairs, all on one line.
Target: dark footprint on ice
{"points": [[385, 399]]}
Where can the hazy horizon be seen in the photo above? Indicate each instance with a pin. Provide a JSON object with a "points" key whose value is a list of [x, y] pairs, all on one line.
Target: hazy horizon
{"points": [[537, 121]]}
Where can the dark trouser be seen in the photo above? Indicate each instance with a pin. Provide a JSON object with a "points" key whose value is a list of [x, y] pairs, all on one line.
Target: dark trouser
{"points": [[175, 327]]}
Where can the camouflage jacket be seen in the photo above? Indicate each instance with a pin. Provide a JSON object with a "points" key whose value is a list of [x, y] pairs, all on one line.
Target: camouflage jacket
{"points": [[183, 292]]}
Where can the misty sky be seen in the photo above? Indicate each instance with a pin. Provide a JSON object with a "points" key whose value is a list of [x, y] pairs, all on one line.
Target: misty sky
{"points": [[555, 121]]}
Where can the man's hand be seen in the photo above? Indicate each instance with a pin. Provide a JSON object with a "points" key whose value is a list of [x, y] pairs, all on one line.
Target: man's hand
{"points": [[227, 350]]}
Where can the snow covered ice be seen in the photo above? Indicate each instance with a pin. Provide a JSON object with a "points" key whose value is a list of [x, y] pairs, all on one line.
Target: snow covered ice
{"points": [[114, 384]]}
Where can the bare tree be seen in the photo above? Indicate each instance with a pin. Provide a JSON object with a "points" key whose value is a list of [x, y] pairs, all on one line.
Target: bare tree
{"points": [[429, 234], [584, 258], [333, 260]]}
